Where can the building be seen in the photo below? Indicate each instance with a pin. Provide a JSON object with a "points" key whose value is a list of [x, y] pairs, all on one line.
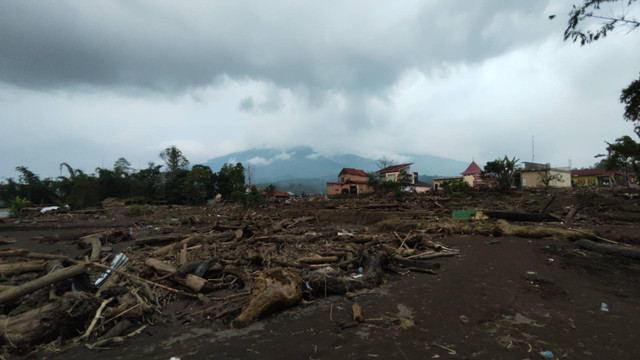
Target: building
{"points": [[396, 172], [351, 181], [472, 176], [597, 177], [534, 175]]}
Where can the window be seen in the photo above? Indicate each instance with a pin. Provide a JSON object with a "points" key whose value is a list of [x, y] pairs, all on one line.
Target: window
{"points": [[391, 177]]}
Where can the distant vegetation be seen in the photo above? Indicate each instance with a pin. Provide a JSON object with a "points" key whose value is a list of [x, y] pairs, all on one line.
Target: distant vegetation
{"points": [[174, 184]]}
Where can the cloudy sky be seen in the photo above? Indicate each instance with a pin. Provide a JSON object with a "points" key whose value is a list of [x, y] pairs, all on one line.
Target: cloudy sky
{"points": [[86, 82]]}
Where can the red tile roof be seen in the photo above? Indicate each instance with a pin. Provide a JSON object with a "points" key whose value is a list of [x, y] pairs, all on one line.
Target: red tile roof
{"points": [[350, 171], [473, 169], [595, 172], [277, 193], [394, 168]]}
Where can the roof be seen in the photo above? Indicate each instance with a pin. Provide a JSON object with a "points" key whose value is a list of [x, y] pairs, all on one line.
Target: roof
{"points": [[276, 193], [473, 169], [350, 171], [394, 168], [595, 172]]}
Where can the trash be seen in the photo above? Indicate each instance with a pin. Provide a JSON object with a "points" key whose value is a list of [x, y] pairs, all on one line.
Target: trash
{"points": [[357, 276], [546, 354], [604, 307], [118, 261], [49, 208], [463, 214]]}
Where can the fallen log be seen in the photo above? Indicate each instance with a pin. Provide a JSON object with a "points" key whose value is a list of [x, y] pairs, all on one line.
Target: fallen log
{"points": [[31, 255], [137, 278], [41, 282], [538, 231], [21, 267], [616, 250], [194, 239], [274, 289], [191, 281], [65, 318]]}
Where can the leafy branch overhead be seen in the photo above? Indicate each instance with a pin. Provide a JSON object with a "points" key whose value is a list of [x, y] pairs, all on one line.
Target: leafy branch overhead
{"points": [[592, 9]]}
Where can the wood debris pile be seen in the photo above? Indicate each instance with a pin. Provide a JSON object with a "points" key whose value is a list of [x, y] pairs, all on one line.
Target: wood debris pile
{"points": [[237, 270]]}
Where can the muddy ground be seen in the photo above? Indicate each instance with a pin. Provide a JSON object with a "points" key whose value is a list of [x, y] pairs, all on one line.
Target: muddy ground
{"points": [[502, 297]]}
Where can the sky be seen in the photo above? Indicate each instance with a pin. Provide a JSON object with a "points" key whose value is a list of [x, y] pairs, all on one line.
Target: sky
{"points": [[87, 82]]}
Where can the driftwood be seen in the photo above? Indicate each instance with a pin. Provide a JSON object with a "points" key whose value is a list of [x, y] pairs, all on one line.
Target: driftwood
{"points": [[137, 278], [31, 255], [58, 318], [21, 267], [274, 289], [96, 245], [323, 284], [194, 239], [538, 231], [191, 281], [616, 250], [158, 239], [357, 312], [41, 282]]}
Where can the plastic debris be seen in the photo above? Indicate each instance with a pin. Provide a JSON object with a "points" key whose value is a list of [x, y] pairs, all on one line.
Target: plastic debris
{"points": [[604, 307], [118, 261], [49, 208], [546, 354]]}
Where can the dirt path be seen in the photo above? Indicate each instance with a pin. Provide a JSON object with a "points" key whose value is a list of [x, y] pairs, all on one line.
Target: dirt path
{"points": [[484, 305]]}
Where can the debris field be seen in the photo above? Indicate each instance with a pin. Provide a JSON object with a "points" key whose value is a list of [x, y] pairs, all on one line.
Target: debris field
{"points": [[99, 281]]}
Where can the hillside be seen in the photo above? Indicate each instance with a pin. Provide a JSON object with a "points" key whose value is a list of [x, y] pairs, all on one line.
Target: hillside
{"points": [[302, 170]]}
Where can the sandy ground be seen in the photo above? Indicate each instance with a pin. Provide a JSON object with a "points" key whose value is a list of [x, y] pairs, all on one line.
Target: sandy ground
{"points": [[484, 305]]}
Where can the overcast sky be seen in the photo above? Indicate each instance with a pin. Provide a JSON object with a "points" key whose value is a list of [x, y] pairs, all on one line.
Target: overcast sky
{"points": [[86, 82]]}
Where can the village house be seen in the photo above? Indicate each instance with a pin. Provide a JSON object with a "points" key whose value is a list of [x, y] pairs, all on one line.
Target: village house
{"points": [[534, 175], [597, 177], [395, 172], [351, 181], [472, 176]]}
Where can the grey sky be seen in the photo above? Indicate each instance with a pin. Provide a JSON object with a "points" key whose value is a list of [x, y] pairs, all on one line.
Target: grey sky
{"points": [[88, 82]]}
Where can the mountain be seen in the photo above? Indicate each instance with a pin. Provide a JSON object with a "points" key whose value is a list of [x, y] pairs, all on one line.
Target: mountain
{"points": [[301, 166]]}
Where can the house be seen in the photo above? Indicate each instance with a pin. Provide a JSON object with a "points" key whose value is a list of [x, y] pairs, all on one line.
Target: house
{"points": [[597, 177], [534, 175], [472, 176], [396, 172], [351, 181]]}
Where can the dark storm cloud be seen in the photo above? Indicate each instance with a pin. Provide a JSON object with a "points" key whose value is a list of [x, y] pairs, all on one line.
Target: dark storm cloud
{"points": [[173, 46]]}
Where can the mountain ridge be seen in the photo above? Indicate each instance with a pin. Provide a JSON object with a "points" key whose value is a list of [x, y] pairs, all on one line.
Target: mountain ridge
{"points": [[299, 163]]}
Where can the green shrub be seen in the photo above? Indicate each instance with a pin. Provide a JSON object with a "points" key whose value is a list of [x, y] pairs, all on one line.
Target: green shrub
{"points": [[454, 186], [139, 210], [17, 205]]}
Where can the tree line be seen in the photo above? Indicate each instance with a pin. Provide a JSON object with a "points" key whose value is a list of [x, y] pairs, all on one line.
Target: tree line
{"points": [[173, 183]]}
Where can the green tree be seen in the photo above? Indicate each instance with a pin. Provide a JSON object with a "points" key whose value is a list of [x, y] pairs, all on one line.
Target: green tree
{"points": [[173, 158], [122, 167], [230, 179], [271, 190], [501, 171], [198, 184], [624, 153]]}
